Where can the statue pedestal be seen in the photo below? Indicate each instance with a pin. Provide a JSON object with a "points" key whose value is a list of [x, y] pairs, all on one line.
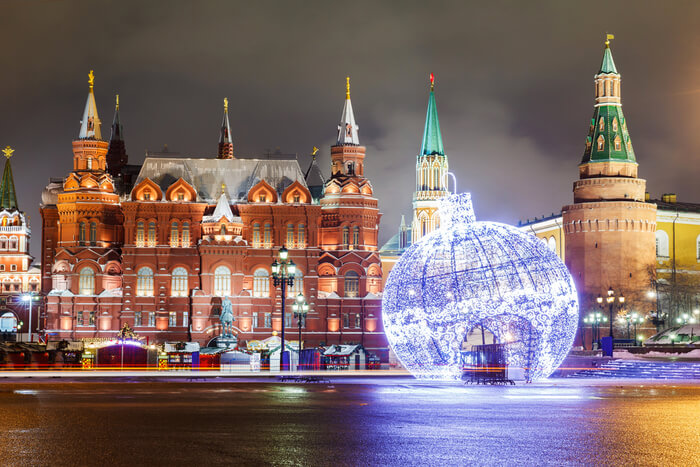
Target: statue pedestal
{"points": [[226, 342]]}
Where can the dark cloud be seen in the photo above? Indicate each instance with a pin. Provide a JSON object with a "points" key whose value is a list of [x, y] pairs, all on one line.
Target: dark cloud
{"points": [[514, 87]]}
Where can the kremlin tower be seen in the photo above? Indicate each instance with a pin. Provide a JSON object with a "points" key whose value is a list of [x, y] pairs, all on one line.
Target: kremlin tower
{"points": [[431, 173], [609, 230], [225, 140]]}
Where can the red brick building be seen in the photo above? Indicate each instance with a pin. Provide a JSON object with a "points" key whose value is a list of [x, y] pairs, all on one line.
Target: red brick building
{"points": [[159, 246]]}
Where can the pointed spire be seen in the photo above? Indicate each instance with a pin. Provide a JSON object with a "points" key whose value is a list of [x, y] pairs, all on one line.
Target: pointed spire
{"points": [[347, 129], [432, 139], [8, 195], [116, 153], [314, 177], [225, 140], [223, 208], [90, 125], [608, 64]]}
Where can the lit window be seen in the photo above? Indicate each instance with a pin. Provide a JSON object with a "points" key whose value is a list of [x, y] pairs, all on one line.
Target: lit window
{"points": [[178, 287], [358, 320], [268, 235], [91, 318], [352, 284], [144, 282], [180, 196], [355, 236], [147, 195], [151, 319], [261, 283], [296, 197], [185, 234], [172, 319], [87, 281], [79, 318], [256, 235], [290, 235], [185, 319], [140, 233], [298, 285], [174, 235], [151, 234], [222, 281], [301, 236], [262, 197], [346, 235], [93, 233]]}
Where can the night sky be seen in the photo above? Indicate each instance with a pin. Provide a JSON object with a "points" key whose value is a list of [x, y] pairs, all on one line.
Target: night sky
{"points": [[514, 88]]}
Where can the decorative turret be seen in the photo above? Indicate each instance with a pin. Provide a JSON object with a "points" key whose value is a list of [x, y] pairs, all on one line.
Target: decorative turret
{"points": [[90, 125], [431, 173], [225, 140], [8, 195], [116, 154], [608, 140], [314, 177], [347, 156]]}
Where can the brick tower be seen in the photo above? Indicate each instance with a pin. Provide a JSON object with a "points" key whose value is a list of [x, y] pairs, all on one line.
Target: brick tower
{"points": [[609, 230]]}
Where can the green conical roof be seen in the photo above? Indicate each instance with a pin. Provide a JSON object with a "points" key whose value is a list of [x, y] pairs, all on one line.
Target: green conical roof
{"points": [[8, 196], [432, 139], [609, 127], [608, 64]]}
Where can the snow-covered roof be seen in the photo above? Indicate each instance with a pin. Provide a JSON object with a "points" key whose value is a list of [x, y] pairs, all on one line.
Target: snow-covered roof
{"points": [[208, 175], [340, 350], [223, 209]]}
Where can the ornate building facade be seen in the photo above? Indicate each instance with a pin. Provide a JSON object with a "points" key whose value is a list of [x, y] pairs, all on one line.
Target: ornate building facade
{"points": [[19, 279], [160, 250]]}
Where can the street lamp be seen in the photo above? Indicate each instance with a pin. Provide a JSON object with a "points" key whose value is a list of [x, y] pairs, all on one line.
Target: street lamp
{"points": [[686, 318], [301, 308], [594, 319], [283, 275], [634, 319], [29, 298], [610, 299]]}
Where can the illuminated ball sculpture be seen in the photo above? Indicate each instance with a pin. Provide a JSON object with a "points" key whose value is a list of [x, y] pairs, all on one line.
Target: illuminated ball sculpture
{"points": [[469, 274]]}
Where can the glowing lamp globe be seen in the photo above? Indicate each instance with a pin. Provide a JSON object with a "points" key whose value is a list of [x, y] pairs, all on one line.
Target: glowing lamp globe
{"points": [[486, 277]]}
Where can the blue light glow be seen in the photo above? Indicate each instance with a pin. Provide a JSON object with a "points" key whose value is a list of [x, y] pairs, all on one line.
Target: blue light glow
{"points": [[469, 274]]}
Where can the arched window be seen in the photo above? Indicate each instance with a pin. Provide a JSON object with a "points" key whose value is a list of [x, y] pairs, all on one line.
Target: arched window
{"points": [[301, 236], [346, 235], [352, 284], [355, 237], [261, 283], [601, 124], [256, 235], [268, 235], [614, 124], [552, 244], [222, 230], [290, 235], [298, 286], [139, 233], [222, 281], [178, 286], [661, 244], [8, 322], [185, 234], [3, 243], [81, 233], [144, 282], [436, 178], [174, 235], [618, 143], [87, 281], [601, 142], [13, 243], [93, 233], [151, 234]]}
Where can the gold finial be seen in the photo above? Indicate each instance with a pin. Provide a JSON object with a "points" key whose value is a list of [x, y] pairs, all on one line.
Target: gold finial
{"points": [[226, 104], [608, 38], [314, 151], [347, 87], [117, 99], [8, 151], [91, 79], [223, 188]]}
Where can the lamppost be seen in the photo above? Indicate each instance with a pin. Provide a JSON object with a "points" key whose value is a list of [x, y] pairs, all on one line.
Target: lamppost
{"points": [[635, 319], [610, 299], [283, 275], [686, 318], [301, 308], [29, 298], [594, 319]]}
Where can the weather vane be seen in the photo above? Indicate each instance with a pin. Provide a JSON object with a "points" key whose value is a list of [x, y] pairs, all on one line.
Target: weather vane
{"points": [[8, 151], [91, 79], [314, 151], [608, 38]]}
